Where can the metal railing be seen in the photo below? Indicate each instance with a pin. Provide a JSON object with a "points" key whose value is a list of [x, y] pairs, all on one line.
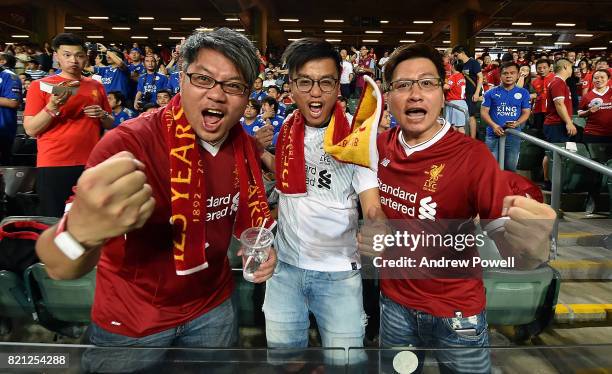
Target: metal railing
{"points": [[465, 112], [555, 199]]}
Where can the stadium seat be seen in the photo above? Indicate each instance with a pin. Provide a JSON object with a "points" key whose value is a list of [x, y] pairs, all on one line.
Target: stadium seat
{"points": [[64, 300], [602, 153], [531, 155], [575, 177], [18, 179], [518, 297], [14, 302], [525, 299]]}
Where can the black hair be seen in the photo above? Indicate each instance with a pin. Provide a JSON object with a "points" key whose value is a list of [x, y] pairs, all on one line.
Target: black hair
{"points": [[278, 90], [255, 104], [605, 71], [305, 50], [9, 58], [459, 49], [118, 96], [342, 99], [164, 90], [543, 61], [148, 106], [410, 51], [508, 64], [458, 65], [66, 38], [271, 101]]}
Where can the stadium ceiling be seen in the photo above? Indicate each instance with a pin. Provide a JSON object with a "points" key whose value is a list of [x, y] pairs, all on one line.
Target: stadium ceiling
{"points": [[520, 24]]}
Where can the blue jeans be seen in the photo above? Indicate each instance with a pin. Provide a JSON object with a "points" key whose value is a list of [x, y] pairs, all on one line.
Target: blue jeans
{"points": [[334, 298], [404, 327], [216, 329], [513, 148]]}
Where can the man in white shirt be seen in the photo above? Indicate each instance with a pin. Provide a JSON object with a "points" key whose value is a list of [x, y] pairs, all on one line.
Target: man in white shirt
{"points": [[346, 76], [318, 268]]}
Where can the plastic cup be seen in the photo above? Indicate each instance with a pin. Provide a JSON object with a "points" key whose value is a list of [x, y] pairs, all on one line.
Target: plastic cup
{"points": [[255, 252]]}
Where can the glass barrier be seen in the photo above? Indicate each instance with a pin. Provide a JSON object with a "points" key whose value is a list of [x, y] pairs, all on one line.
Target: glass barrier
{"points": [[65, 358], [495, 360]]}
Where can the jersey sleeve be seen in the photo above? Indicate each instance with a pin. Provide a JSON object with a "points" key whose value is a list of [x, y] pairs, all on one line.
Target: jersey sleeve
{"points": [[556, 90], [488, 185], [35, 100], [11, 87], [487, 99], [140, 86], [364, 179], [584, 103], [526, 100]]}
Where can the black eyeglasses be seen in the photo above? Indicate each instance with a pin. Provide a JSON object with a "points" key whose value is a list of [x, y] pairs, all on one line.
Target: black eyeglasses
{"points": [[305, 84], [204, 81], [425, 84]]}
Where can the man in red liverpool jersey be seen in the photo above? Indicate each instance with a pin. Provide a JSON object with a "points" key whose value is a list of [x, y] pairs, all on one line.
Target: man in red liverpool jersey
{"points": [[156, 208], [540, 85], [428, 174]]}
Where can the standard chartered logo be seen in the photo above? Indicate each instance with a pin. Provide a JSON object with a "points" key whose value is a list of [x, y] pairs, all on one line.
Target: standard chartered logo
{"points": [[427, 208]]}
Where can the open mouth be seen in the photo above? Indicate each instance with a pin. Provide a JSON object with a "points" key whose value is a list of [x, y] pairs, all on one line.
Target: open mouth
{"points": [[212, 119], [316, 109], [416, 113]]}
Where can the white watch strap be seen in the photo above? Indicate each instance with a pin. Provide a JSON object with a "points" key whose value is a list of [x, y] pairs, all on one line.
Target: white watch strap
{"points": [[68, 245]]}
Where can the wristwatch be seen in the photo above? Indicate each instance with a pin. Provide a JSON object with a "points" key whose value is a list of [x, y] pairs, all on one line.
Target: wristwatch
{"points": [[51, 113], [66, 242]]}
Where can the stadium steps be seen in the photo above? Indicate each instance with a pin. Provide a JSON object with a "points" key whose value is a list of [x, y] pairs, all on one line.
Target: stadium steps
{"points": [[585, 263]]}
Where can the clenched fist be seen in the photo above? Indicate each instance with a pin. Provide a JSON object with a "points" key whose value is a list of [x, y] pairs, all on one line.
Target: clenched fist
{"points": [[112, 199]]}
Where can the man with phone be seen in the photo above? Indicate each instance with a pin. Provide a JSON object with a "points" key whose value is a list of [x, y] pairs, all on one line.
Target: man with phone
{"points": [[506, 106], [65, 112]]}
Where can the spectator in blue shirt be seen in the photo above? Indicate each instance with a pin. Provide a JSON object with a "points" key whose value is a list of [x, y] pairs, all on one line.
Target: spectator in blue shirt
{"points": [[506, 106], [269, 116], [274, 92], [149, 84], [250, 121], [116, 76], [120, 112], [174, 83], [163, 97], [10, 100], [258, 93]]}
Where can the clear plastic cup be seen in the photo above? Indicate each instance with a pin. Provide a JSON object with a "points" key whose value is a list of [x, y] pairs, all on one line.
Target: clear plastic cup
{"points": [[255, 253]]}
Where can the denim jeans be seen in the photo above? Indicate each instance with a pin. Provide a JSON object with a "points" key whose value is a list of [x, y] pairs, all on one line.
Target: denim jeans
{"points": [[405, 327], [334, 298], [217, 328], [513, 148]]}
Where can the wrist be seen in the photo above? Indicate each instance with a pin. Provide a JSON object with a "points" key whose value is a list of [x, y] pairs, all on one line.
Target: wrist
{"points": [[51, 112], [84, 238]]}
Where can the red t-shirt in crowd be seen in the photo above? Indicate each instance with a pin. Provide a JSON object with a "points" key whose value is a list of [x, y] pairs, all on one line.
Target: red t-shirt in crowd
{"points": [[138, 291], [540, 85], [600, 122], [557, 89], [457, 87], [71, 136], [448, 177], [590, 79], [491, 77]]}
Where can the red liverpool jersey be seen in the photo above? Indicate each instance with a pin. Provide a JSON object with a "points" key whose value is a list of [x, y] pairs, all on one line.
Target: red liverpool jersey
{"points": [[450, 177], [540, 85], [456, 89], [600, 122], [138, 292], [557, 89]]}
